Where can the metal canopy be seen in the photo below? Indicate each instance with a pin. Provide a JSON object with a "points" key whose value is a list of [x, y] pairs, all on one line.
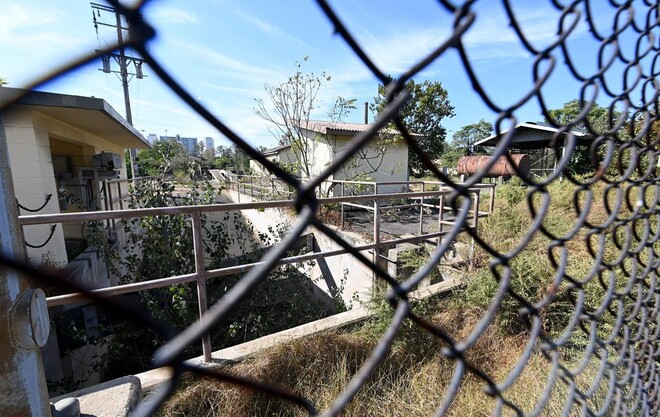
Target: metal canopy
{"points": [[530, 135]]}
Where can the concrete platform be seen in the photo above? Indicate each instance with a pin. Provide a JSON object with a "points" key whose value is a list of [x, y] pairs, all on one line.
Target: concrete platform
{"points": [[116, 398]]}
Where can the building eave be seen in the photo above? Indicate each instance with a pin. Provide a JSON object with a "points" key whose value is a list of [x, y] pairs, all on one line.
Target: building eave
{"points": [[89, 114]]}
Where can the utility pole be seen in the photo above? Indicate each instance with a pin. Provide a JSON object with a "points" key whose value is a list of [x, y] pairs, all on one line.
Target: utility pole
{"points": [[123, 61]]}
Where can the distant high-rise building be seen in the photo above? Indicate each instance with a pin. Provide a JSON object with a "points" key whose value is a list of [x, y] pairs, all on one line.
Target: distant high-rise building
{"points": [[152, 138], [189, 144], [208, 144]]}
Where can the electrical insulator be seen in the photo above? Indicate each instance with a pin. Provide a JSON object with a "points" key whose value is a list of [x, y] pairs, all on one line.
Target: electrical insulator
{"points": [[138, 70], [106, 63]]}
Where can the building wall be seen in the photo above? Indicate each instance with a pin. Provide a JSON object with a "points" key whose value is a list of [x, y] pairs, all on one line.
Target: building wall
{"points": [[33, 139], [32, 173], [391, 166]]}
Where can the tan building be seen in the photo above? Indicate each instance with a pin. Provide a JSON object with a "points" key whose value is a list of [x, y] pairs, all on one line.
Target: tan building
{"points": [[61, 146], [326, 141]]}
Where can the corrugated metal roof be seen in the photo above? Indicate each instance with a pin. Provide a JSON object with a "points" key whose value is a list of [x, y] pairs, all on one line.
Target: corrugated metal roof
{"points": [[275, 150], [325, 127], [532, 135]]}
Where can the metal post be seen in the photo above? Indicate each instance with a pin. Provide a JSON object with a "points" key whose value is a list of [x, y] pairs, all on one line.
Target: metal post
{"points": [[421, 211], [121, 197], [475, 209], [475, 222], [108, 187], [342, 206], [22, 381], [441, 214], [491, 204], [201, 280], [376, 234]]}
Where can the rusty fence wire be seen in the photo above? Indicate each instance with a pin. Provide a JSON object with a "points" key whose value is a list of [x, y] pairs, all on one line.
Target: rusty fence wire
{"points": [[624, 162]]}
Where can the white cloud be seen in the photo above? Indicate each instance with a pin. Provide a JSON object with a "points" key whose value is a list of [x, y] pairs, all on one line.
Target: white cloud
{"points": [[224, 65], [168, 14], [37, 27], [254, 20], [489, 37], [270, 29], [17, 16]]}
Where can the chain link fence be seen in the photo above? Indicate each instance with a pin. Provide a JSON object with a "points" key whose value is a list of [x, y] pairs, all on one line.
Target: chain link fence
{"points": [[620, 329]]}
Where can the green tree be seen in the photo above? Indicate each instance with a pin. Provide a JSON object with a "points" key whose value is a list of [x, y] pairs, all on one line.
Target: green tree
{"points": [[165, 157], [598, 117], [3, 81], [423, 113], [463, 142], [598, 122]]}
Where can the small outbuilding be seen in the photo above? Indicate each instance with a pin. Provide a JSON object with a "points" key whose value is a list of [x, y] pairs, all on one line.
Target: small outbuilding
{"points": [[535, 139], [325, 141]]}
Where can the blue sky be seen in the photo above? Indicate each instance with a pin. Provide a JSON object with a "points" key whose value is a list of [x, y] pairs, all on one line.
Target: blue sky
{"points": [[224, 51]]}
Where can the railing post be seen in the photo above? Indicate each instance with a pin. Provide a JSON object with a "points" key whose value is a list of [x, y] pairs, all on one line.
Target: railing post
{"points": [[491, 204], [441, 214], [342, 206], [120, 196], [24, 325], [376, 256], [475, 223], [108, 203], [201, 280], [475, 209], [421, 211]]}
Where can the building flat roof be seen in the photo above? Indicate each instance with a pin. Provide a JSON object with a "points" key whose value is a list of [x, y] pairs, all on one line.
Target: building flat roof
{"points": [[90, 114]]}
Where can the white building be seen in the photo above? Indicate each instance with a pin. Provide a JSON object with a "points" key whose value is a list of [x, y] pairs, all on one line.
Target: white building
{"points": [[326, 141]]}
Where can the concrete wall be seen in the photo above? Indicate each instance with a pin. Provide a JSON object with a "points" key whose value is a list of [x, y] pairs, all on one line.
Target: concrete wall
{"points": [[32, 172], [341, 273], [33, 139]]}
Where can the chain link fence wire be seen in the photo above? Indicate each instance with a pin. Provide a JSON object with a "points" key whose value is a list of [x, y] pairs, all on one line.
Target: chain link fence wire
{"points": [[624, 159]]}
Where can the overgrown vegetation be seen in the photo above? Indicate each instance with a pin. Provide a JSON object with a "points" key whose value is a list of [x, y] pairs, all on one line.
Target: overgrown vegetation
{"points": [[155, 247], [413, 379], [162, 246]]}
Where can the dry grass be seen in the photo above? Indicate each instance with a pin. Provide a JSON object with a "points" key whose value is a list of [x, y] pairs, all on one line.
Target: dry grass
{"points": [[411, 382]]}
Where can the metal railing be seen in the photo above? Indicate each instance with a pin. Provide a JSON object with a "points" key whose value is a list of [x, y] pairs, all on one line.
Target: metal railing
{"points": [[260, 187], [201, 274]]}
